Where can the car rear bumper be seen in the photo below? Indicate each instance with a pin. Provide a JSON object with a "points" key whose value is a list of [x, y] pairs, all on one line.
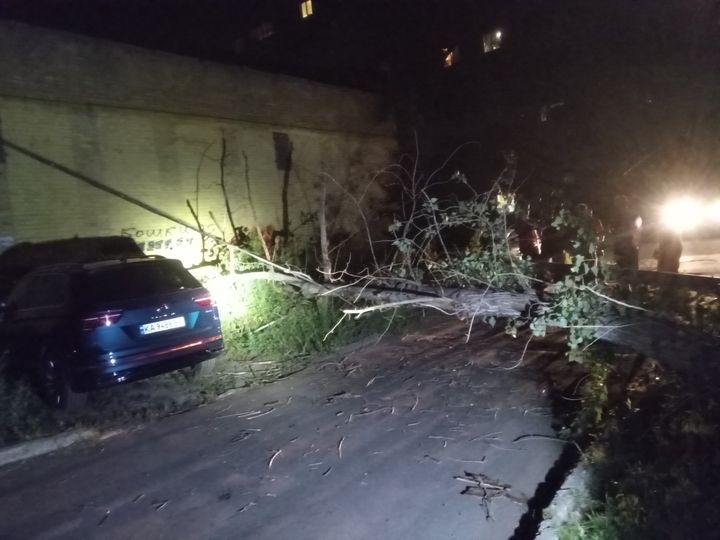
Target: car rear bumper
{"points": [[101, 372]]}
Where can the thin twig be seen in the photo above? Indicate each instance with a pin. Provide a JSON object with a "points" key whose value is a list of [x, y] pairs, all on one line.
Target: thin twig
{"points": [[387, 328], [614, 300], [549, 438], [362, 216], [339, 447], [417, 399], [272, 459], [261, 414], [472, 320], [522, 356], [340, 320]]}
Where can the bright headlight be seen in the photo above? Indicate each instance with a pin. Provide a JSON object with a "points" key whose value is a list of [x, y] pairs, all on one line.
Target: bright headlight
{"points": [[682, 214], [712, 212]]}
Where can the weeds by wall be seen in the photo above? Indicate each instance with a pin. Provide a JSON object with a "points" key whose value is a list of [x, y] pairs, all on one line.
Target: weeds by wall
{"points": [[280, 323], [23, 415]]}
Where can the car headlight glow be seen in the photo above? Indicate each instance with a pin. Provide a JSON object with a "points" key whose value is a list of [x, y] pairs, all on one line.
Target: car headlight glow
{"points": [[682, 214], [712, 212]]}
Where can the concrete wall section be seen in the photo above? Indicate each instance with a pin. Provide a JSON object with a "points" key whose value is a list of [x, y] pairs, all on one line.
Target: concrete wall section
{"points": [[59, 66], [115, 128], [160, 159]]}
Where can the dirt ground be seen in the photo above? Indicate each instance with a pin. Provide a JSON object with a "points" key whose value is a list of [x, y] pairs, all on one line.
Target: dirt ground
{"points": [[379, 443]]}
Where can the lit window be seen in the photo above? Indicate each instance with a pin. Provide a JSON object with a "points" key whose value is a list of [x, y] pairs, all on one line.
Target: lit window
{"points": [[306, 9], [451, 56], [492, 41]]}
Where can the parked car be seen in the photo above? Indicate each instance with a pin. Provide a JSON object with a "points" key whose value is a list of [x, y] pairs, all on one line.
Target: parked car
{"points": [[18, 260], [78, 327]]}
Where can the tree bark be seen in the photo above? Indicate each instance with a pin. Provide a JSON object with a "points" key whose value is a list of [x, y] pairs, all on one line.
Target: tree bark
{"points": [[324, 244], [464, 303]]}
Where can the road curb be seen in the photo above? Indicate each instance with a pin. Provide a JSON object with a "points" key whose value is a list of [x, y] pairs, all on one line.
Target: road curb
{"points": [[567, 505], [38, 447]]}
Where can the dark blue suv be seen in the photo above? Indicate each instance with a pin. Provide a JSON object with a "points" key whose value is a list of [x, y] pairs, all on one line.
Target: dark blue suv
{"points": [[77, 327]]}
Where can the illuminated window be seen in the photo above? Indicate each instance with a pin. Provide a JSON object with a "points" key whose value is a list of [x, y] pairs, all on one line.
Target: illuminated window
{"points": [[451, 56], [306, 9], [492, 41]]}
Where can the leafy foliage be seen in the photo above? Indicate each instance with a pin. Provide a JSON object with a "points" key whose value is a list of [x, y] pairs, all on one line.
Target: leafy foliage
{"points": [[463, 242], [578, 301]]}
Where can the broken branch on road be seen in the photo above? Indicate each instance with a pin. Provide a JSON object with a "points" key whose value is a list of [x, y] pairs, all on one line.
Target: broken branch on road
{"points": [[487, 489]]}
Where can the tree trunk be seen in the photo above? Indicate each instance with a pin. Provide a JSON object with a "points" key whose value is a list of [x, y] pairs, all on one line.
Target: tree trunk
{"points": [[387, 294], [324, 244]]}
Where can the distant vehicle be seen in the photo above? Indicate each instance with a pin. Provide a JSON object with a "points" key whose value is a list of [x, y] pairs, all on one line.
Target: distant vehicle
{"points": [[18, 260], [686, 214], [78, 327]]}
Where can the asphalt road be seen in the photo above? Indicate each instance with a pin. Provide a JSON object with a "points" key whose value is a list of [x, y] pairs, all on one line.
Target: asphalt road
{"points": [[361, 446], [700, 256]]}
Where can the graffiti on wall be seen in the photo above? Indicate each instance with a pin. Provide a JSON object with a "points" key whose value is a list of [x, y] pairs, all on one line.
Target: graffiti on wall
{"points": [[175, 241]]}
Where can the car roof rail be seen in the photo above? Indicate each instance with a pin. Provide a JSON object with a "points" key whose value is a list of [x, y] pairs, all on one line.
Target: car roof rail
{"points": [[130, 260], [56, 267]]}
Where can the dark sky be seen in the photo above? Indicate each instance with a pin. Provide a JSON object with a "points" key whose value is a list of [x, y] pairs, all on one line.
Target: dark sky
{"points": [[626, 81], [350, 41], [368, 42]]}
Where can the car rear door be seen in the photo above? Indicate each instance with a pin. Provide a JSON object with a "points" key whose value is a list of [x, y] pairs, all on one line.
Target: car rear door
{"points": [[37, 316]]}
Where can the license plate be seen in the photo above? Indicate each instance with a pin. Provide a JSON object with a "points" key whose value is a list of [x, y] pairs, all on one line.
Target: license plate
{"points": [[162, 326]]}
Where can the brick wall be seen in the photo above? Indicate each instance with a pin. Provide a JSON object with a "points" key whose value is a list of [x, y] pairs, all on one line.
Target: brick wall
{"points": [[151, 125]]}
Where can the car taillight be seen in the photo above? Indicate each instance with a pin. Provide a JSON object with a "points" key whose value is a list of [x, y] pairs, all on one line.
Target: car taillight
{"points": [[104, 318], [204, 301]]}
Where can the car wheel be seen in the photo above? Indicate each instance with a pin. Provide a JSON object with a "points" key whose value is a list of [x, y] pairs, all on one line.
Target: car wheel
{"points": [[203, 369], [57, 389]]}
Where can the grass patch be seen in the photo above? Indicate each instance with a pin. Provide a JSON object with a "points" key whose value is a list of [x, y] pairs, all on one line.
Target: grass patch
{"points": [[601, 524], [280, 323], [23, 415]]}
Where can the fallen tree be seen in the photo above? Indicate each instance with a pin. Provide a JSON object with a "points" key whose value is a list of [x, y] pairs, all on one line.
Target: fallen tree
{"points": [[481, 277], [490, 280], [679, 347]]}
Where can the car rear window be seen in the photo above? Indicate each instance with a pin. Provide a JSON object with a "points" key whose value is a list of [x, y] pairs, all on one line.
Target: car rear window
{"points": [[136, 280]]}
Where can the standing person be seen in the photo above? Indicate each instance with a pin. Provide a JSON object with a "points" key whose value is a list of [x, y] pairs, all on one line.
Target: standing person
{"points": [[628, 226], [669, 251]]}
